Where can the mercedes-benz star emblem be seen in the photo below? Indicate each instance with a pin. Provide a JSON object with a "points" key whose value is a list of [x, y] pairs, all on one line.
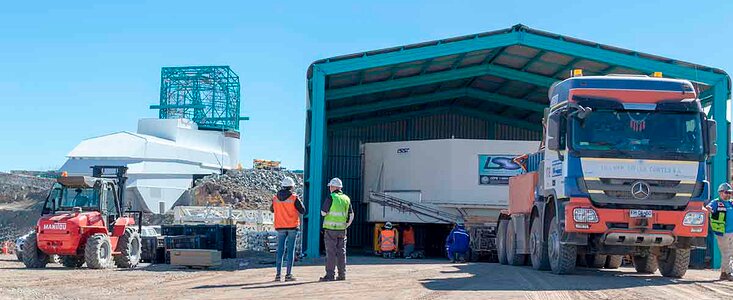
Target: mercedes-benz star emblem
{"points": [[640, 190]]}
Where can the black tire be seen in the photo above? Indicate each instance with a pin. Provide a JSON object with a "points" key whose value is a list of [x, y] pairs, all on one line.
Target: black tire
{"points": [[72, 261], [33, 257], [538, 246], [501, 242], [675, 263], [562, 257], [130, 246], [98, 252], [614, 261], [595, 260], [646, 264], [514, 258]]}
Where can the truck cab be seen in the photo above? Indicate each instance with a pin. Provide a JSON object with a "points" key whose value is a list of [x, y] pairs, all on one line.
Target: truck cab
{"points": [[621, 171]]}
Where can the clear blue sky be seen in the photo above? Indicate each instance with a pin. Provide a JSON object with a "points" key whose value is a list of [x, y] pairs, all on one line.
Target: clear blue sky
{"points": [[71, 70]]}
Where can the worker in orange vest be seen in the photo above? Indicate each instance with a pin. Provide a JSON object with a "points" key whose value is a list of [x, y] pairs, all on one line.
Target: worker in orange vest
{"points": [[408, 241], [287, 207], [387, 241]]}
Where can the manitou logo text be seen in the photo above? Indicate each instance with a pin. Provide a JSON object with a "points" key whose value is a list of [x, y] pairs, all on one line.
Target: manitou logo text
{"points": [[54, 226]]}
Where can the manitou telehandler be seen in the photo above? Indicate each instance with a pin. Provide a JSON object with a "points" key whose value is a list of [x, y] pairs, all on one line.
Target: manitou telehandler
{"points": [[83, 222]]}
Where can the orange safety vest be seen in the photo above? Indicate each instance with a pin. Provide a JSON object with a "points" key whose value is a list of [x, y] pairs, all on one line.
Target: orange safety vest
{"points": [[408, 237], [286, 215], [387, 242]]}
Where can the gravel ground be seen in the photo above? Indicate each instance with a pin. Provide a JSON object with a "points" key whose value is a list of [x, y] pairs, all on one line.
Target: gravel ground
{"points": [[368, 278]]}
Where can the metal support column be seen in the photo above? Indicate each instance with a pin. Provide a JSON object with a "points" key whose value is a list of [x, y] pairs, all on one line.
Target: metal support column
{"points": [[317, 162], [720, 169]]}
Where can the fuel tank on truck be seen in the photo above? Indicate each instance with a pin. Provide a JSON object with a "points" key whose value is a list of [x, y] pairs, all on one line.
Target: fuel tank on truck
{"points": [[459, 176]]}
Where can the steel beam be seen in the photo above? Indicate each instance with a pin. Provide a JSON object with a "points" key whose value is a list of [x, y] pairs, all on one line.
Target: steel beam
{"points": [[620, 59], [390, 118], [506, 100], [720, 93], [497, 118], [317, 163], [408, 55], [436, 77]]}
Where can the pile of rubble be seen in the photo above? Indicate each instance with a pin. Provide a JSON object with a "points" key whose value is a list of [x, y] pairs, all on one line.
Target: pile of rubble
{"points": [[246, 189], [21, 199]]}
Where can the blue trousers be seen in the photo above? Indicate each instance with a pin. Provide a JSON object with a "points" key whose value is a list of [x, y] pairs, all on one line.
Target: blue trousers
{"points": [[285, 249]]}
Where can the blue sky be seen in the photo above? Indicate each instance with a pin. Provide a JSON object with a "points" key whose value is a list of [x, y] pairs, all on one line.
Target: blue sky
{"points": [[71, 70]]}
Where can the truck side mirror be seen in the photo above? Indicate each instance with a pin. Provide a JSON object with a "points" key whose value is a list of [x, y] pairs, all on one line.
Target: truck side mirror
{"points": [[712, 137], [553, 132]]}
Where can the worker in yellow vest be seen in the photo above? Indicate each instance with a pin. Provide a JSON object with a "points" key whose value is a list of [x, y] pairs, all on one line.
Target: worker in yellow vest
{"points": [[722, 226], [387, 241], [337, 216]]}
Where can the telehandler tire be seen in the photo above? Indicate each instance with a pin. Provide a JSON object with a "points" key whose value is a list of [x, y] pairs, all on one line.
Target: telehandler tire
{"points": [[33, 257], [72, 261], [98, 251], [130, 246]]}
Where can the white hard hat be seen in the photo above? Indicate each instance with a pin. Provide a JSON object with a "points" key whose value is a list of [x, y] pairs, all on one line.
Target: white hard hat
{"points": [[388, 225], [287, 182], [336, 182]]}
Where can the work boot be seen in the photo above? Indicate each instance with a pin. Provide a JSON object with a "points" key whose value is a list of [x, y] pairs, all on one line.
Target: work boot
{"points": [[725, 276], [289, 277], [325, 278], [341, 278], [277, 277]]}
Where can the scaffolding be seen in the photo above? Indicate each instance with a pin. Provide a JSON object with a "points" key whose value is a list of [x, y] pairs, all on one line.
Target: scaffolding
{"points": [[207, 95]]}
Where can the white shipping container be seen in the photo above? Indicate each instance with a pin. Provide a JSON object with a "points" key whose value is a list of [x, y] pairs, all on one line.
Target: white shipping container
{"points": [[461, 177]]}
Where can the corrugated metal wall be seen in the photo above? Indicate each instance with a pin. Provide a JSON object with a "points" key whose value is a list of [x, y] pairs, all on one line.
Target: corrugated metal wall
{"points": [[344, 151]]}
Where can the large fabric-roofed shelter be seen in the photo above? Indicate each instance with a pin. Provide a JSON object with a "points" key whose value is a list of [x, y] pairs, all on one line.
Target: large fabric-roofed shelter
{"points": [[490, 85]]}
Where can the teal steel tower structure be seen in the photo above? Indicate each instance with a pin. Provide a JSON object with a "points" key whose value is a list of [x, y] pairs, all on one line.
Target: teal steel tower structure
{"points": [[207, 95]]}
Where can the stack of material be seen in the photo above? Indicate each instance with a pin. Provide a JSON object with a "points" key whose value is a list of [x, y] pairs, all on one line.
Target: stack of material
{"points": [[214, 237], [21, 199], [246, 189]]}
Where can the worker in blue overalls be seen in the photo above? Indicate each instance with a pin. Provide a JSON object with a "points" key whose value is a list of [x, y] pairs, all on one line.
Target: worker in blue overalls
{"points": [[457, 243]]}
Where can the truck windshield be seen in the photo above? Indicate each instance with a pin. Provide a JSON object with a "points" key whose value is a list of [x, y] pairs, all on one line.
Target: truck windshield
{"points": [[638, 134]]}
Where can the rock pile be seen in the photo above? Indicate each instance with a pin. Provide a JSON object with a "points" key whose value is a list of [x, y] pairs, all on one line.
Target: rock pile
{"points": [[246, 189], [21, 199]]}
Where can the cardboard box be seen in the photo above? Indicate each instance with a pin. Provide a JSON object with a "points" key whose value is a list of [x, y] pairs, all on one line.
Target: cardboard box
{"points": [[195, 257]]}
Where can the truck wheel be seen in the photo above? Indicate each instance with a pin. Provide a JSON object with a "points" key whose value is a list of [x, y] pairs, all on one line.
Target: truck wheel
{"points": [[614, 261], [562, 257], [646, 264], [538, 246], [514, 258], [501, 242], [72, 261], [33, 257], [130, 247], [595, 260], [675, 263], [98, 251]]}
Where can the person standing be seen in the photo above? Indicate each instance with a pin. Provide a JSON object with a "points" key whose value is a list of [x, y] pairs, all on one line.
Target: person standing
{"points": [[722, 226], [287, 207], [408, 241], [457, 243], [338, 215]]}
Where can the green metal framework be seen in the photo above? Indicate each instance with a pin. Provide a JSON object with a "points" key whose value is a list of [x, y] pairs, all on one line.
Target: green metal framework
{"points": [[502, 76], [207, 95]]}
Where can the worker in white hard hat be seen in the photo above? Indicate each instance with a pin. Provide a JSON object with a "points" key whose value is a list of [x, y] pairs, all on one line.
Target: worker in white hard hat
{"points": [[337, 216], [388, 241], [722, 226], [287, 207]]}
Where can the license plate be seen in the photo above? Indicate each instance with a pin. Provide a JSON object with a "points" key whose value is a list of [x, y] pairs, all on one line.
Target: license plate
{"points": [[640, 213]]}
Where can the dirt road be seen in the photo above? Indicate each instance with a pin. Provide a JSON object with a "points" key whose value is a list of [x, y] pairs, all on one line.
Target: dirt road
{"points": [[368, 278]]}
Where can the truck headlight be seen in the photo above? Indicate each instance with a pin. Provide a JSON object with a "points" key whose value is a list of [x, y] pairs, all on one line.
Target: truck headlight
{"points": [[585, 215], [694, 219]]}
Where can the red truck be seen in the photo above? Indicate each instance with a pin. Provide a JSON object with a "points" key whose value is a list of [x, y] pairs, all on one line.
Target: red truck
{"points": [[621, 171]]}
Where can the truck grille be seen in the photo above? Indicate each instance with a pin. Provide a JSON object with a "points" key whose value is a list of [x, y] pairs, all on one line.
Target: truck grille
{"points": [[618, 191]]}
